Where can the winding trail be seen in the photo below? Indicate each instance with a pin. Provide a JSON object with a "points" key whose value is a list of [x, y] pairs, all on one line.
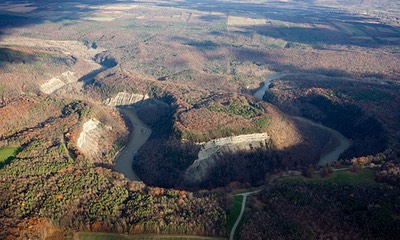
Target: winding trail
{"points": [[232, 234], [138, 136]]}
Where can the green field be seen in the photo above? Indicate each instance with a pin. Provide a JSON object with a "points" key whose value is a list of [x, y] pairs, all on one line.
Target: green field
{"points": [[6, 155], [240, 225], [113, 236], [234, 212], [365, 176]]}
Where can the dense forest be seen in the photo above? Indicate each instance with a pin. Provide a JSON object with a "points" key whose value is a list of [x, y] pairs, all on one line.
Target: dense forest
{"points": [[288, 211], [351, 108], [49, 178]]}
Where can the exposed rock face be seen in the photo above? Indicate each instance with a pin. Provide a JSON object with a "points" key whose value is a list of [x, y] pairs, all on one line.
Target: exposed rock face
{"points": [[88, 139], [82, 55], [58, 82], [207, 157], [75, 48], [52, 85], [125, 99]]}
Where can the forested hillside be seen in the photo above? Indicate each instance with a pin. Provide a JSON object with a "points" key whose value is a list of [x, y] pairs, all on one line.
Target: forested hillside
{"points": [[199, 101]]}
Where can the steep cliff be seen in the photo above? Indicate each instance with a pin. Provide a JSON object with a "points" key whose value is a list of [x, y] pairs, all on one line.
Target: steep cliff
{"points": [[124, 99], [206, 160], [58, 82], [88, 139]]}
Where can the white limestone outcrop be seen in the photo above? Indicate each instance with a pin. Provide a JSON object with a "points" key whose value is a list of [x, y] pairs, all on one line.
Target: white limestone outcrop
{"points": [[88, 139], [58, 82], [125, 99], [207, 157]]}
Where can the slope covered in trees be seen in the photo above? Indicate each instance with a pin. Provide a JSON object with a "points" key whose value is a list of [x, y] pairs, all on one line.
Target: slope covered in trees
{"points": [[49, 178], [286, 211]]}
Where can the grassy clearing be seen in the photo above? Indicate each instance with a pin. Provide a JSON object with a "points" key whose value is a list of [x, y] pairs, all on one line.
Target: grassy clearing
{"points": [[234, 212], [7, 152], [236, 107], [364, 177], [6, 155], [245, 21], [113, 236], [240, 225]]}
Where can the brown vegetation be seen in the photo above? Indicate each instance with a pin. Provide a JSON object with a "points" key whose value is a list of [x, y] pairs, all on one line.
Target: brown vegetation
{"points": [[51, 179], [189, 55], [351, 107], [314, 211]]}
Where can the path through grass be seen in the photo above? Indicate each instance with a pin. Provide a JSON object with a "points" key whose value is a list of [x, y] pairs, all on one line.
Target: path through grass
{"points": [[234, 212]]}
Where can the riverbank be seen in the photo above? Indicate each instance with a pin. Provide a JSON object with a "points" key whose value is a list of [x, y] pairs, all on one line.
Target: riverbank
{"points": [[259, 94], [140, 133], [138, 136], [336, 146]]}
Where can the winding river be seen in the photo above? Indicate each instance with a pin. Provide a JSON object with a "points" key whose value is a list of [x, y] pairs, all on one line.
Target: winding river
{"points": [[336, 146], [338, 142], [140, 133], [138, 136], [259, 94]]}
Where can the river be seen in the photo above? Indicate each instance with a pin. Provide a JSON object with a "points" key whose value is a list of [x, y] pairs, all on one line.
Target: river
{"points": [[140, 133], [259, 94], [138, 136], [338, 142]]}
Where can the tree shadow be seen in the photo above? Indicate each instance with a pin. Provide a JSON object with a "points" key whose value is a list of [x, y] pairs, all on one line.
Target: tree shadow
{"points": [[10, 56], [254, 165], [17, 15]]}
